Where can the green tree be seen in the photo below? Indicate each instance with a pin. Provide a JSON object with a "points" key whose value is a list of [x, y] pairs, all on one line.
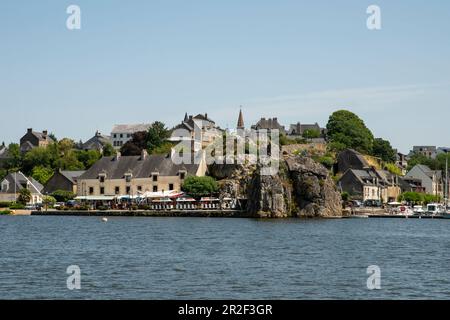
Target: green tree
{"points": [[87, 157], [346, 129], [3, 173], [24, 196], [63, 195], [108, 150], [200, 186], [311, 134], [157, 136], [14, 162], [40, 156], [48, 201], [421, 159], [42, 174], [135, 146], [383, 149]]}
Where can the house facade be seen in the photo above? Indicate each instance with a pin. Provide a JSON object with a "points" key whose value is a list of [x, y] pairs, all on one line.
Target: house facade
{"points": [[122, 133], [33, 139], [200, 131], [134, 175], [432, 180], [298, 129], [427, 151], [370, 184], [11, 185], [63, 180]]}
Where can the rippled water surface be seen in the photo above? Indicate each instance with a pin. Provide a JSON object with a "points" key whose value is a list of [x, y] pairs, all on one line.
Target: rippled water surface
{"points": [[199, 258]]}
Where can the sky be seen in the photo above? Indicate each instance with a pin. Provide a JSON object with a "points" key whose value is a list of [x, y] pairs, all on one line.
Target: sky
{"points": [[141, 61]]}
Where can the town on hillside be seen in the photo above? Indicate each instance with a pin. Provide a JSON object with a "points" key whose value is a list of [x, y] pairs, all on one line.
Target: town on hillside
{"points": [[131, 167]]}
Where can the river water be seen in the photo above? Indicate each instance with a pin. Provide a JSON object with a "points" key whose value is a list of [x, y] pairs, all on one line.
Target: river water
{"points": [[212, 258]]}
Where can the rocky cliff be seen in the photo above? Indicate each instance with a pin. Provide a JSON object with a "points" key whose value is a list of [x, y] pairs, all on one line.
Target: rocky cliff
{"points": [[302, 188]]}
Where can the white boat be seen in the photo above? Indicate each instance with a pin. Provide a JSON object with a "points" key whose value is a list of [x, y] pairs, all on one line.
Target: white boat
{"points": [[419, 210], [435, 209]]}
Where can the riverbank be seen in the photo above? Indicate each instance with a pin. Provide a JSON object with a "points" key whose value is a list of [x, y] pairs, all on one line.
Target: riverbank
{"points": [[145, 213]]}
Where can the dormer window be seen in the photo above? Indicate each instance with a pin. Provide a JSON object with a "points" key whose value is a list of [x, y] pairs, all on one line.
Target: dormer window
{"points": [[102, 177], [182, 174], [5, 185], [155, 176], [128, 177]]}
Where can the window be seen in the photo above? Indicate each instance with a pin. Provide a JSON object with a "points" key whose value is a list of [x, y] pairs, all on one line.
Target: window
{"points": [[170, 186], [128, 190], [129, 135], [128, 178], [155, 188], [115, 136], [139, 188], [102, 190], [117, 190], [5, 185], [155, 178], [91, 190], [182, 175], [102, 179]]}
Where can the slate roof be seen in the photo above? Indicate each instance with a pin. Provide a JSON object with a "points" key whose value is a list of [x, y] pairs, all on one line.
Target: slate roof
{"points": [[130, 128], [430, 173], [4, 154], [19, 180], [268, 124], [140, 168], [72, 176], [97, 142]]}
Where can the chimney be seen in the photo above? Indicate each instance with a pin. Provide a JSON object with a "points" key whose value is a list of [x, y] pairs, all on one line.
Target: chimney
{"points": [[29, 130], [206, 115], [45, 133], [144, 154]]}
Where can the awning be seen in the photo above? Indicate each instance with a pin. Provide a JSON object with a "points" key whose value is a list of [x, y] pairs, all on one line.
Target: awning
{"points": [[169, 194], [96, 198]]}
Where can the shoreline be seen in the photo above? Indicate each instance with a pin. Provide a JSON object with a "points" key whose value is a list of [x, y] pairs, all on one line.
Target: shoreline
{"points": [[208, 214]]}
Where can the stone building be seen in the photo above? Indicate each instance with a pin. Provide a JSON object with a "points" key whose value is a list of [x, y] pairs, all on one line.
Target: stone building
{"points": [[134, 175], [33, 139], [122, 133], [63, 180]]}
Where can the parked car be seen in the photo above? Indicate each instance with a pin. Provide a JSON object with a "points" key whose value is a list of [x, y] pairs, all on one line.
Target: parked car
{"points": [[356, 203], [373, 203], [58, 205]]}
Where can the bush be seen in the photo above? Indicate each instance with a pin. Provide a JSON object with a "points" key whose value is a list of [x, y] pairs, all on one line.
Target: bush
{"points": [[5, 212], [17, 206], [5, 204]]}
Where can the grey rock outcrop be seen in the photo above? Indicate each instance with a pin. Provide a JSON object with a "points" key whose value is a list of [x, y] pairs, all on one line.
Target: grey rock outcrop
{"points": [[301, 188], [314, 190]]}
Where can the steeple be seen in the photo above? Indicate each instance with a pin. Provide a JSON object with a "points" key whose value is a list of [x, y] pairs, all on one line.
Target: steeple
{"points": [[240, 123], [186, 119]]}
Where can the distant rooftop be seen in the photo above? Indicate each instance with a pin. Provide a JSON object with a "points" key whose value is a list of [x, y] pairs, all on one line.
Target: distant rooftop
{"points": [[130, 128]]}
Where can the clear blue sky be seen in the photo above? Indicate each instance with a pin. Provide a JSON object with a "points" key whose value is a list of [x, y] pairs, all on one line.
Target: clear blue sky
{"points": [[141, 61]]}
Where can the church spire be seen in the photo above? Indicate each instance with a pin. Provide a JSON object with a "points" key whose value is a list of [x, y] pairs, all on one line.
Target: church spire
{"points": [[186, 117], [240, 123]]}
